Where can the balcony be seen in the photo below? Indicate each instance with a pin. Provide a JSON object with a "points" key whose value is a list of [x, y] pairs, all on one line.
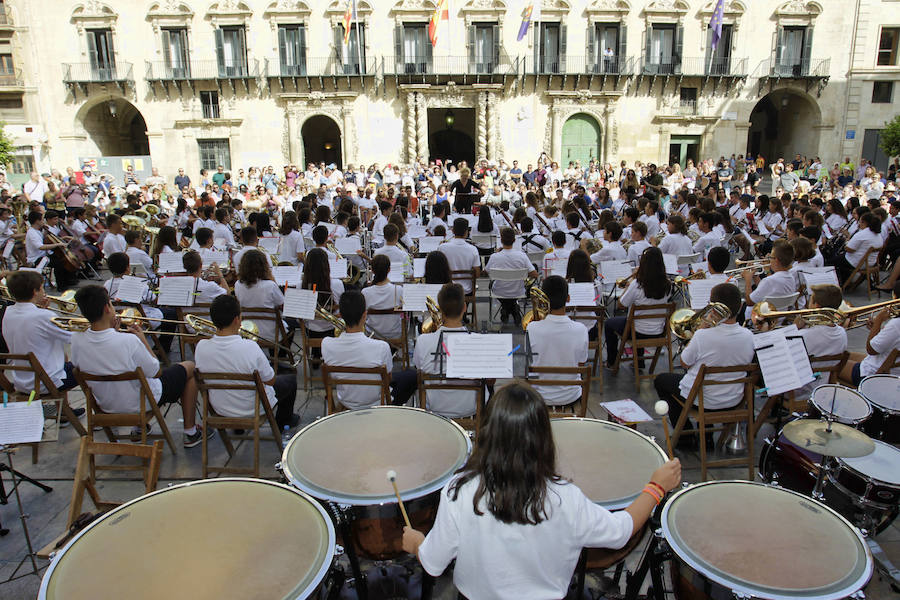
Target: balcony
{"points": [[82, 75], [6, 21], [315, 68], [809, 71], [672, 109], [445, 68], [11, 80], [166, 74]]}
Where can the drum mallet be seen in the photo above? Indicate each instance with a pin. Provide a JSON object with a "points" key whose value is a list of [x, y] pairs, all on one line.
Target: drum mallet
{"points": [[662, 409], [392, 477]]}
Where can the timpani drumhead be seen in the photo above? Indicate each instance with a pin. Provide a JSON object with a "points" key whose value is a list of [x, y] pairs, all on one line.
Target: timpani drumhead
{"points": [[219, 538], [611, 463], [883, 391], [345, 457], [847, 405], [881, 465], [766, 541]]}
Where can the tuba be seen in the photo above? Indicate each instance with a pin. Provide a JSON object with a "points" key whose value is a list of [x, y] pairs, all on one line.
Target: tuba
{"points": [[685, 322], [540, 307]]}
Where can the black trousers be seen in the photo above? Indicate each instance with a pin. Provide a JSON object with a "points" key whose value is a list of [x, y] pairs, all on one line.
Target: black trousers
{"points": [[404, 383], [286, 392], [843, 268], [64, 279]]}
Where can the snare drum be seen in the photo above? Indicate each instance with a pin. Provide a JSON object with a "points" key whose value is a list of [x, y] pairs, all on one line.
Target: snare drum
{"points": [[344, 459], [218, 538], [746, 539], [883, 391], [841, 403], [611, 464]]}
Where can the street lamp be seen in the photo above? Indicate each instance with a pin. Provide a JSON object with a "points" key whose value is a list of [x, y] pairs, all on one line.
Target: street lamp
{"points": [[449, 118]]}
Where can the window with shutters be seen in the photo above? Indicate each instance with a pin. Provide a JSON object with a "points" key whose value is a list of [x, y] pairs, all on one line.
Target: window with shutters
{"points": [[887, 46], [292, 50], [552, 48], [484, 47], [175, 52], [351, 56], [688, 101], [22, 160], [662, 55], [792, 54], [101, 54], [606, 47], [231, 52], [416, 48], [718, 61], [214, 153], [882, 92], [209, 101]]}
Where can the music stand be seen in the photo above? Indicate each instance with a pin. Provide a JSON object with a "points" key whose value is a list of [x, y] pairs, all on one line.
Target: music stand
{"points": [[23, 517], [463, 202]]}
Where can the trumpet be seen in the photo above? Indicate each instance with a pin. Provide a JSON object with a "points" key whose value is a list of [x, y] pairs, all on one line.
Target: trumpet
{"points": [[758, 267], [540, 307], [685, 322], [626, 281]]}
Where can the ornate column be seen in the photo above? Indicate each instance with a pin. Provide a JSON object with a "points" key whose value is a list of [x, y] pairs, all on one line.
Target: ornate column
{"points": [[422, 126], [607, 132], [556, 134], [347, 142], [410, 127], [493, 140], [481, 126]]}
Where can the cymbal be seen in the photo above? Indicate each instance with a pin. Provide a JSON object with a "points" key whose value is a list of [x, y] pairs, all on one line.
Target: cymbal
{"points": [[841, 441]]}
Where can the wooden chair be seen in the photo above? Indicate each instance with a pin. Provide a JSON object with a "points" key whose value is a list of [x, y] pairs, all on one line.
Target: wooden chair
{"points": [[468, 275], [742, 412], [590, 316], [871, 274], [890, 363], [52, 394], [398, 344], [308, 360], [243, 382], [280, 337], [829, 366], [629, 336], [147, 410], [332, 377], [580, 376], [190, 341], [85, 481], [439, 382]]}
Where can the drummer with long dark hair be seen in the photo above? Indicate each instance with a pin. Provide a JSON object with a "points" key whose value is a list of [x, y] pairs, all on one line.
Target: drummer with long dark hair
{"points": [[513, 524]]}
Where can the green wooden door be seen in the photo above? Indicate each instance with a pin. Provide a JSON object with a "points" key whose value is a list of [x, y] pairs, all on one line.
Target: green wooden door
{"points": [[580, 140]]}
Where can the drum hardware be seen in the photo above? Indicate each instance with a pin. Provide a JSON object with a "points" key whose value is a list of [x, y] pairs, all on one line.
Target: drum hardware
{"points": [[881, 393], [684, 322], [836, 439], [736, 440], [883, 563]]}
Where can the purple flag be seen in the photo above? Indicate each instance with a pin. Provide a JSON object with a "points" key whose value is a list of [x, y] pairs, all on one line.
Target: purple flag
{"points": [[715, 23]]}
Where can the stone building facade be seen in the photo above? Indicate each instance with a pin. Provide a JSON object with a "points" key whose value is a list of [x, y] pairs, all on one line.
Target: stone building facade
{"points": [[194, 83]]}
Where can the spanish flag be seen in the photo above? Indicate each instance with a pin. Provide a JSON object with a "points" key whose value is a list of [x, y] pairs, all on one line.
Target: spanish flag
{"points": [[441, 13], [349, 17], [530, 12]]}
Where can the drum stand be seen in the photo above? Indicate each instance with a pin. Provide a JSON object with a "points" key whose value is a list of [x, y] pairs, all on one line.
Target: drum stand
{"points": [[653, 559], [23, 516], [340, 513]]}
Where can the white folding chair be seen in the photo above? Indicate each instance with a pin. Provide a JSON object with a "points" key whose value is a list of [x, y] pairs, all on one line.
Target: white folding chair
{"points": [[504, 275], [783, 302]]}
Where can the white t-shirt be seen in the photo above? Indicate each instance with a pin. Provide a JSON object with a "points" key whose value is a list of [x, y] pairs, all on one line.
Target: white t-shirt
{"points": [[821, 340], [382, 297], [357, 350], [677, 244], [521, 562], [262, 294], [636, 249], [779, 283], [236, 259], [137, 256], [610, 251], [509, 259], [634, 294], [461, 256], [725, 345], [859, 244], [884, 341], [34, 239], [111, 352], [27, 328], [233, 354], [559, 342], [292, 244], [112, 243]]}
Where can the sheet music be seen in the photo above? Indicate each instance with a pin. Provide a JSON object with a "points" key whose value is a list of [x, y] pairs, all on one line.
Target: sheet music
{"points": [[626, 411], [414, 295], [287, 275], [480, 355], [671, 262], [699, 290], [21, 423], [299, 304], [218, 257], [416, 231], [776, 363], [338, 267], [176, 291], [555, 266], [270, 244], [170, 262], [395, 275], [613, 270], [132, 289], [582, 294], [419, 268], [429, 243], [348, 245], [819, 276]]}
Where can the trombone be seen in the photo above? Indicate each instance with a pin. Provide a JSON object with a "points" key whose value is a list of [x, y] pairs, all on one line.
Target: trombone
{"points": [[764, 314], [626, 281], [759, 267], [127, 317], [859, 316]]}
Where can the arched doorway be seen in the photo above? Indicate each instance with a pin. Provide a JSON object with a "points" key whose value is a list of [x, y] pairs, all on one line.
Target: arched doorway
{"points": [[451, 134], [580, 139], [117, 128], [783, 124], [321, 140]]}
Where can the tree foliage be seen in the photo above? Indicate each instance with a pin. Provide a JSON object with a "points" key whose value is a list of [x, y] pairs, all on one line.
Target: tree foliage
{"points": [[6, 146], [890, 137]]}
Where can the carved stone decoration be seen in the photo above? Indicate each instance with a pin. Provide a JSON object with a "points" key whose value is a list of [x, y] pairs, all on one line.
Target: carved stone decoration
{"points": [[421, 127], [614, 10], [493, 146], [172, 13], [228, 12], [286, 11], [483, 10], [555, 8], [481, 126], [411, 146], [298, 108], [412, 10], [799, 7], [335, 11], [93, 14]]}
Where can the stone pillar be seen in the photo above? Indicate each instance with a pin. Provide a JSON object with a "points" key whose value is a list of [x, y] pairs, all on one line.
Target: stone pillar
{"points": [[422, 126], [347, 138], [481, 126], [493, 141], [410, 127], [607, 132], [556, 134]]}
